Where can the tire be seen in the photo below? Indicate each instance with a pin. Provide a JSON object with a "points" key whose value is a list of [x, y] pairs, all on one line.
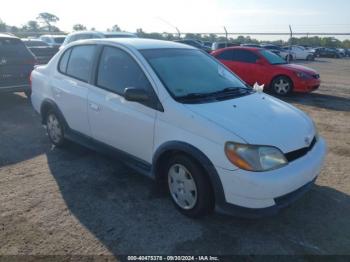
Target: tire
{"points": [[55, 129], [310, 58], [289, 58], [28, 93], [189, 187], [282, 86]]}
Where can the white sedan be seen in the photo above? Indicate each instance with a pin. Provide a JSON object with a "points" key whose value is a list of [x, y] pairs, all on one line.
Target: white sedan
{"points": [[301, 53], [176, 114]]}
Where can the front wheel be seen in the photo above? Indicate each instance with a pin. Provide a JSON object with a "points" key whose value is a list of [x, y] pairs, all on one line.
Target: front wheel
{"points": [[282, 86], [189, 187]]}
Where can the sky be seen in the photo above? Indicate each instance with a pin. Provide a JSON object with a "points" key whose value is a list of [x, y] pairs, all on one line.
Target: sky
{"points": [[188, 15]]}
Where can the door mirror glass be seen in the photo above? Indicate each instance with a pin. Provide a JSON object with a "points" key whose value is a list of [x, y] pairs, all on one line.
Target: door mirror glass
{"points": [[135, 94]]}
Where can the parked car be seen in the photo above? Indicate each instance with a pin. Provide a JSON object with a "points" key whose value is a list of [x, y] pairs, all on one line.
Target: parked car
{"points": [[287, 55], [179, 116], [219, 45], [195, 43], [301, 53], [251, 45], [342, 52], [255, 65], [327, 52], [16, 64], [53, 40], [81, 35], [207, 44], [347, 52], [42, 51]]}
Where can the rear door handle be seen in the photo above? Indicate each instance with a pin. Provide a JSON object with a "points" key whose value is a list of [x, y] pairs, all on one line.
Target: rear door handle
{"points": [[94, 106]]}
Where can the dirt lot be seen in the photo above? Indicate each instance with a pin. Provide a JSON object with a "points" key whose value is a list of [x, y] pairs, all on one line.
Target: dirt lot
{"points": [[75, 201]]}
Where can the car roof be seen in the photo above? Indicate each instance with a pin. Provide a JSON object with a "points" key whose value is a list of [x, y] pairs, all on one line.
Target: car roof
{"points": [[138, 43], [101, 33], [241, 48], [53, 35], [31, 39], [4, 35]]}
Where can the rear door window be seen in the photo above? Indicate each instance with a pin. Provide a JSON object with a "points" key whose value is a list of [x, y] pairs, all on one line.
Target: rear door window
{"points": [[80, 62]]}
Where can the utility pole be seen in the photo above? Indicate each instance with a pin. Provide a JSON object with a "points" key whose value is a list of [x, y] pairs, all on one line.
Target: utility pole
{"points": [[169, 24], [226, 35], [290, 43], [178, 32]]}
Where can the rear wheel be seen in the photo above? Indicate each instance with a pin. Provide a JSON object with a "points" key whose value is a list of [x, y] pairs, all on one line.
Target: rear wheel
{"points": [[310, 58], [55, 129], [289, 58], [189, 187], [28, 93], [282, 86]]}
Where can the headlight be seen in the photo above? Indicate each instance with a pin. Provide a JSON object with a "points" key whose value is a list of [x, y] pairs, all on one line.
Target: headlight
{"points": [[255, 158], [303, 75]]}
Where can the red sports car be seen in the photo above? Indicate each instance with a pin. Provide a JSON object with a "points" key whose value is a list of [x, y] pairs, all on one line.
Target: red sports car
{"points": [[256, 65]]}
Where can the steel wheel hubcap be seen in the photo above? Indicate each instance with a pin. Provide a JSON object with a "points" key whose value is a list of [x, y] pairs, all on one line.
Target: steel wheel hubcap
{"points": [[182, 186], [54, 128], [282, 87]]}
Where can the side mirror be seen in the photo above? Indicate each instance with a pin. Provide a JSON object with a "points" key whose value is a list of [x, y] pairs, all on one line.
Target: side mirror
{"points": [[135, 94], [260, 62]]}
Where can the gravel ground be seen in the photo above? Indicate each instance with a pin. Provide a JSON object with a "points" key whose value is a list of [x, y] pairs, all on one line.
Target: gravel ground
{"points": [[74, 201]]}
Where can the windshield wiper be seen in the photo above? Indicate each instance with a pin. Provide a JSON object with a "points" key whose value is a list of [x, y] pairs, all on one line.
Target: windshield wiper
{"points": [[233, 91], [229, 91], [194, 96]]}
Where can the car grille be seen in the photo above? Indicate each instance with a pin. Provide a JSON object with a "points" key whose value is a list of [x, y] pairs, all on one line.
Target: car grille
{"points": [[316, 76], [294, 155]]}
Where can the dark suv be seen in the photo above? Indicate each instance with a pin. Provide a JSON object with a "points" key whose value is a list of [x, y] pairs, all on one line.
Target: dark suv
{"points": [[16, 65]]}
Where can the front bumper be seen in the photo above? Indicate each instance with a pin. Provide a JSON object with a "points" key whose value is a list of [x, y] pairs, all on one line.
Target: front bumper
{"points": [[307, 85], [258, 194]]}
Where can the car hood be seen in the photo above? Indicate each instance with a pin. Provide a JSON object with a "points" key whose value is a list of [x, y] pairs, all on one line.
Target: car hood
{"points": [[298, 68], [260, 119]]}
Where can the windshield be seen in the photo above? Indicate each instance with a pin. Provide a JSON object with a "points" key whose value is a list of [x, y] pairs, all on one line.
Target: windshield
{"points": [[59, 40], [35, 43], [188, 71], [272, 58]]}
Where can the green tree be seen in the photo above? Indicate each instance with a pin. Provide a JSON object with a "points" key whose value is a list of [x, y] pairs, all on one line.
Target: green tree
{"points": [[115, 28], [31, 26], [79, 27], [48, 20], [3, 26]]}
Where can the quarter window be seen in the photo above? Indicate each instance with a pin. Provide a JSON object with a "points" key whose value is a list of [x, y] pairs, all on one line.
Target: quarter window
{"points": [[80, 62], [225, 55], [118, 70], [64, 61]]}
